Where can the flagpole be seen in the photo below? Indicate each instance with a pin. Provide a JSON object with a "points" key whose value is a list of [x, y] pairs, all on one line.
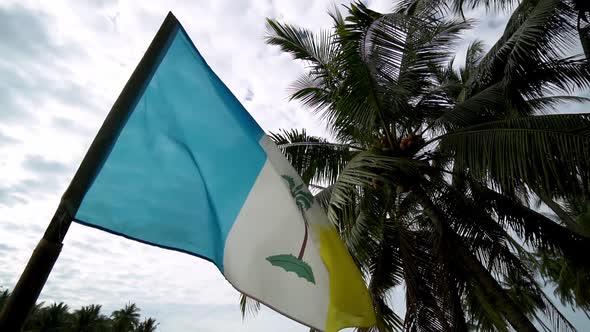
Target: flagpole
{"points": [[31, 282], [29, 286]]}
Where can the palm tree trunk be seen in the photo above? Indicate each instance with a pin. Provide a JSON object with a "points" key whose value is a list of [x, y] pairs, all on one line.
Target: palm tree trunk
{"points": [[492, 290]]}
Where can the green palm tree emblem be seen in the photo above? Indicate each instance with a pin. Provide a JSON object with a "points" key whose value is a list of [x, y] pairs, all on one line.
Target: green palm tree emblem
{"points": [[304, 200]]}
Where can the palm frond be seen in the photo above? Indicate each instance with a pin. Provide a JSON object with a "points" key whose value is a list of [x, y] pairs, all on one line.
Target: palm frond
{"points": [[432, 292], [323, 197], [537, 35], [248, 306], [533, 227], [487, 105], [303, 44], [559, 76], [424, 7], [557, 150], [475, 53], [550, 103], [569, 279], [483, 315], [368, 169], [400, 52], [314, 158], [311, 91], [387, 320]]}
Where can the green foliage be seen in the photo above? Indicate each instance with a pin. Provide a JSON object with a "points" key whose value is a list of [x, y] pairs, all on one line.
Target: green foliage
{"points": [[569, 279], [567, 272], [148, 325], [52, 318], [89, 319], [248, 306], [313, 158], [57, 317], [125, 319], [546, 153]]}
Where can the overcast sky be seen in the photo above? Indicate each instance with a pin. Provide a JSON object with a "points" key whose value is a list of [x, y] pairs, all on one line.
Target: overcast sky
{"points": [[62, 65]]}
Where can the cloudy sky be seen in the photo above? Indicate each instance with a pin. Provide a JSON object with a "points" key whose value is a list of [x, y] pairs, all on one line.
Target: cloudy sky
{"points": [[62, 65]]}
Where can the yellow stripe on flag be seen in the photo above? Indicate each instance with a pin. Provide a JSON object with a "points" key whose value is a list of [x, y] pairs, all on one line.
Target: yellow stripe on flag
{"points": [[348, 293]]}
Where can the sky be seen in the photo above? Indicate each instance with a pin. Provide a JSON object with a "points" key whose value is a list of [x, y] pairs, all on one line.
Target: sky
{"points": [[62, 65]]}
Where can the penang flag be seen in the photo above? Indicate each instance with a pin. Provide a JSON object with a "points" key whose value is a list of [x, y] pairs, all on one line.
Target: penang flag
{"points": [[180, 164]]}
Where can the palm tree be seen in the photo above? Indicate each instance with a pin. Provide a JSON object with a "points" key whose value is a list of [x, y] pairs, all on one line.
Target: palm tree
{"points": [[575, 16], [126, 319], [431, 170], [57, 318], [89, 319], [54, 318], [148, 325], [34, 316]]}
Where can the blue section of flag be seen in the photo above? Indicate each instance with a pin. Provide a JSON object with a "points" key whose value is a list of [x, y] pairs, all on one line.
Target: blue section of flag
{"points": [[184, 162]]}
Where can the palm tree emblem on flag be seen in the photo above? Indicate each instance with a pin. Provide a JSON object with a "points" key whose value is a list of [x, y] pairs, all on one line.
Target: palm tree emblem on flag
{"points": [[289, 262]]}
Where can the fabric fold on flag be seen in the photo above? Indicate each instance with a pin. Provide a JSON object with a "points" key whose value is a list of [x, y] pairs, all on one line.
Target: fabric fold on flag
{"points": [[180, 164]]}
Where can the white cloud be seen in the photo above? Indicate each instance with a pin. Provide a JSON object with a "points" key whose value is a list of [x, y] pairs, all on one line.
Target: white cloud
{"points": [[62, 65]]}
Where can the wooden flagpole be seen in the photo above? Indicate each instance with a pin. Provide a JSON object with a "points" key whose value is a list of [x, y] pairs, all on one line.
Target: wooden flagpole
{"points": [[29, 286]]}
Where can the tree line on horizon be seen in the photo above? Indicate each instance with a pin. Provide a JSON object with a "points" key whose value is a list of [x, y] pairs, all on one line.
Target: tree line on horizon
{"points": [[58, 317]]}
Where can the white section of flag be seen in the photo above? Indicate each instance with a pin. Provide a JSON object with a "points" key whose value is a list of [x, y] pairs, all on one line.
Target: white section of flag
{"points": [[270, 223]]}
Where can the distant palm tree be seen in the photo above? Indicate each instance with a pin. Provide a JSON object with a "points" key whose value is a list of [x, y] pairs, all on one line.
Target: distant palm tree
{"points": [[126, 319], [54, 318], [148, 325], [57, 318], [34, 316], [89, 319]]}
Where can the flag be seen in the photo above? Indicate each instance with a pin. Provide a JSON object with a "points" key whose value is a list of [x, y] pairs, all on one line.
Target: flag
{"points": [[180, 164]]}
